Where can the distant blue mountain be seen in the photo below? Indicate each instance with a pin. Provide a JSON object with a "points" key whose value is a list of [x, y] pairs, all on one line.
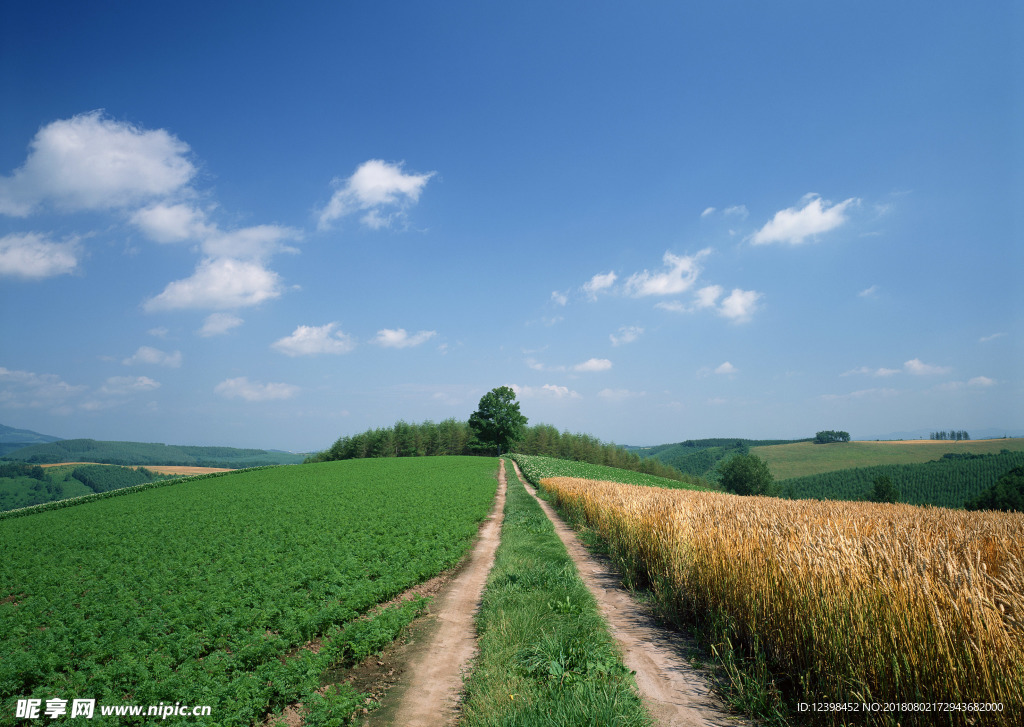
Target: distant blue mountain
{"points": [[12, 439]]}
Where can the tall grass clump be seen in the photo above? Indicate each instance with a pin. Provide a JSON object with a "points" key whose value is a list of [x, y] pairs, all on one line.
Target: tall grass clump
{"points": [[847, 602]]}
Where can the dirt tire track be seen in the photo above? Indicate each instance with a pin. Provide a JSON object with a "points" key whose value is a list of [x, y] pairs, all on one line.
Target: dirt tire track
{"points": [[675, 694], [427, 694]]}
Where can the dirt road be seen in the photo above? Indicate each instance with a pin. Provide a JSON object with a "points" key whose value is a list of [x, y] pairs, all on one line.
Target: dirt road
{"points": [[674, 692], [440, 652]]}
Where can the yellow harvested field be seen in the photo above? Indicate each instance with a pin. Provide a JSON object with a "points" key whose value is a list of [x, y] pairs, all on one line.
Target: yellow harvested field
{"points": [[856, 602]]}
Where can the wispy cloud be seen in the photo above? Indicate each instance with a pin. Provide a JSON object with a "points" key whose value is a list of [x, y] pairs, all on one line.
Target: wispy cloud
{"points": [[598, 283], [400, 338], [994, 336], [626, 334], [680, 273], [794, 225], [868, 292], [620, 394], [861, 394], [26, 389], [242, 388], [126, 385], [381, 191], [593, 364], [154, 356], [32, 255], [311, 340], [217, 324], [547, 391], [918, 368]]}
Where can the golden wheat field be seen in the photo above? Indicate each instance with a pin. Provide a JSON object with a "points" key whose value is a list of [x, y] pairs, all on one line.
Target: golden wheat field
{"points": [[853, 602]]}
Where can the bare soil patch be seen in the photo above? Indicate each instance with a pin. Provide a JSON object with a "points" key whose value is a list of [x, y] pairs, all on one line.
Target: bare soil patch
{"points": [[675, 693]]}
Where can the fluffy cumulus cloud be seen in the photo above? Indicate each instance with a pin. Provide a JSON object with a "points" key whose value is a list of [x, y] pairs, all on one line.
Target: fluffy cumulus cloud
{"points": [[740, 305], [31, 255], [310, 340], [400, 338], [680, 273], [219, 283], [593, 364], [795, 224], [726, 369], [242, 388], [90, 162], [626, 334], [378, 190], [154, 356], [217, 324], [164, 222]]}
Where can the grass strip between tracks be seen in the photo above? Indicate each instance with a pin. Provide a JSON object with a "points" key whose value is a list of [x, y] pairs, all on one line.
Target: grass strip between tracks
{"points": [[546, 657]]}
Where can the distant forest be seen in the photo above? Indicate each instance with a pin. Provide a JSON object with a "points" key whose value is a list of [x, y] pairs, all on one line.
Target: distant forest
{"points": [[453, 437], [142, 453]]}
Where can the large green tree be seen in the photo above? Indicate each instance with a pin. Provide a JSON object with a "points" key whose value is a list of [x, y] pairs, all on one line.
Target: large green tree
{"points": [[746, 474], [497, 420]]}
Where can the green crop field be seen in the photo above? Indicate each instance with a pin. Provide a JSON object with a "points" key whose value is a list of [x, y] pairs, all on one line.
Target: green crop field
{"points": [[201, 592], [806, 458]]}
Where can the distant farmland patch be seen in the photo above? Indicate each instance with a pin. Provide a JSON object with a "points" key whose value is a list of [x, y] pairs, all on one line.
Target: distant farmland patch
{"points": [[805, 458]]}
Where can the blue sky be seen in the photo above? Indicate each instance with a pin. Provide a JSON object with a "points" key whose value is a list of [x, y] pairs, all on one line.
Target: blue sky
{"points": [[253, 224]]}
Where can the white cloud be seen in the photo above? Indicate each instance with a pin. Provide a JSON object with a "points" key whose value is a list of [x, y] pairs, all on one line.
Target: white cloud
{"points": [[868, 292], [593, 364], [219, 283], [217, 324], [681, 274], [862, 394], [601, 281], [674, 306], [150, 355], [158, 332], [400, 338], [619, 394], [866, 371], [547, 391], [309, 340], [739, 210], [242, 388], [919, 368], [31, 255], [90, 162], [795, 225], [726, 369], [627, 334], [125, 385], [707, 212], [255, 242], [994, 336], [166, 223], [981, 381], [374, 185], [25, 389], [740, 305], [559, 298], [708, 295]]}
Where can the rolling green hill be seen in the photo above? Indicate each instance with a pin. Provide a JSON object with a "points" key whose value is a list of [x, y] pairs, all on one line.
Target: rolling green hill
{"points": [[12, 439], [698, 457], [145, 454]]}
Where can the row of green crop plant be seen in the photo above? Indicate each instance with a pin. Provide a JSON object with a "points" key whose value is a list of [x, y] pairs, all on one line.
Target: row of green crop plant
{"points": [[947, 482], [198, 592], [453, 437], [545, 654]]}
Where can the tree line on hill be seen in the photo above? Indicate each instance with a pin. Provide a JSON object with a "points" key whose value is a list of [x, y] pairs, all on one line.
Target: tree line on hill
{"points": [[830, 436], [147, 453], [952, 435]]}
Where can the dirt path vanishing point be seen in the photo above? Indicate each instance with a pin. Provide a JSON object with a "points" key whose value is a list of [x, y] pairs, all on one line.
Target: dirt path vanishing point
{"points": [[433, 664], [675, 694]]}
